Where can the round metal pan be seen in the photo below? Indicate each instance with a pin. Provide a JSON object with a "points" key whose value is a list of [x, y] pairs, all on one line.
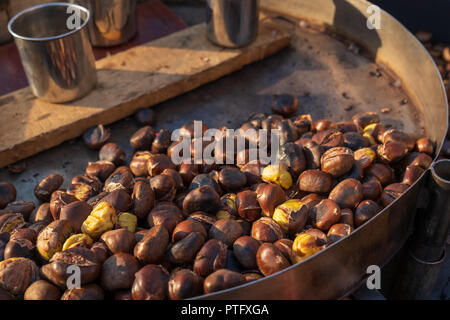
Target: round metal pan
{"points": [[339, 269], [332, 82]]}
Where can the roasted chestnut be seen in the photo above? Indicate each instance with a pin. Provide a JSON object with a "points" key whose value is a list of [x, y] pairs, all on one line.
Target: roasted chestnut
{"points": [[392, 192], [291, 216], [162, 141], [143, 138], [277, 174], [425, 145], [153, 245], [138, 164], [347, 194], [121, 178], [324, 214], [266, 230], [270, 259], [150, 283], [118, 271], [96, 137], [184, 228], [247, 205], [120, 240], [305, 245], [145, 116], [17, 274], [365, 211], [75, 212], [337, 161], [22, 206], [185, 250], [315, 181], [113, 153], [226, 230], [100, 169], [269, 197], [42, 290], [338, 231], [166, 214], [392, 151], [232, 179], [285, 105], [87, 292], [184, 284], [52, 238], [7, 194], [362, 120], [245, 249], [203, 199], [222, 279], [45, 188], [211, 257]]}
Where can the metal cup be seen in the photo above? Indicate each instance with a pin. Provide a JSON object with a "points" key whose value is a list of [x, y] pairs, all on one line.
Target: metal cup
{"points": [[58, 60], [113, 21], [232, 23]]}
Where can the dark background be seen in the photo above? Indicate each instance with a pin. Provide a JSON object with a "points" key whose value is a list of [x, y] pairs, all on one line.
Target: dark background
{"points": [[427, 15]]}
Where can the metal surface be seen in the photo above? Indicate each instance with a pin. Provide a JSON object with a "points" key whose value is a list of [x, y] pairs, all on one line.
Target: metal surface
{"points": [[433, 223], [58, 62], [113, 22], [416, 278], [332, 82], [232, 23]]}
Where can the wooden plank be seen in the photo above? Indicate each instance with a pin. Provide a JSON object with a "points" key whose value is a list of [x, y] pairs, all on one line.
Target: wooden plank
{"points": [[155, 20], [139, 77]]}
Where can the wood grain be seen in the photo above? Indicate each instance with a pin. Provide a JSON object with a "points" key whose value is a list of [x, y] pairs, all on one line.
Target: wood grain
{"points": [[139, 77]]}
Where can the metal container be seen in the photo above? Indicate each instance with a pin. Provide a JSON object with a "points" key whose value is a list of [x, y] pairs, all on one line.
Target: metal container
{"points": [[113, 21], [232, 23], [342, 267], [59, 62]]}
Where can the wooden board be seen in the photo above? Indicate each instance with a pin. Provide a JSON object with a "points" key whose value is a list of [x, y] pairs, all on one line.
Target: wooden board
{"points": [[139, 77], [155, 20]]}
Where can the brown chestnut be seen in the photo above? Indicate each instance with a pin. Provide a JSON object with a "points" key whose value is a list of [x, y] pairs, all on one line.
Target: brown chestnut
{"points": [[365, 211], [211, 257], [46, 187], [138, 164], [203, 199], [362, 120], [346, 217], [285, 104], [392, 192], [7, 194], [143, 199], [226, 230], [266, 230], [347, 194], [75, 212], [315, 181], [120, 240], [87, 292], [247, 205], [113, 153], [20, 248], [244, 249], [121, 178], [232, 179], [184, 284], [185, 250], [324, 214], [164, 187], [16, 275], [100, 169], [162, 141], [186, 227], [338, 231], [96, 137], [22, 206], [392, 151], [118, 271], [58, 200], [269, 197], [42, 290], [425, 145], [337, 161], [412, 173], [270, 259], [143, 138], [166, 214], [119, 199], [222, 279], [157, 163], [145, 116], [153, 245]]}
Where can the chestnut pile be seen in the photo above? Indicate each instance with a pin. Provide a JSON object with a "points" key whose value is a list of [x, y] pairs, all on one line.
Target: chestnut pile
{"points": [[156, 230]]}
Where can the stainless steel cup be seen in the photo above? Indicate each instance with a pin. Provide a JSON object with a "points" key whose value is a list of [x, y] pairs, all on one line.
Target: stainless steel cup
{"points": [[232, 23], [58, 60], [113, 21]]}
